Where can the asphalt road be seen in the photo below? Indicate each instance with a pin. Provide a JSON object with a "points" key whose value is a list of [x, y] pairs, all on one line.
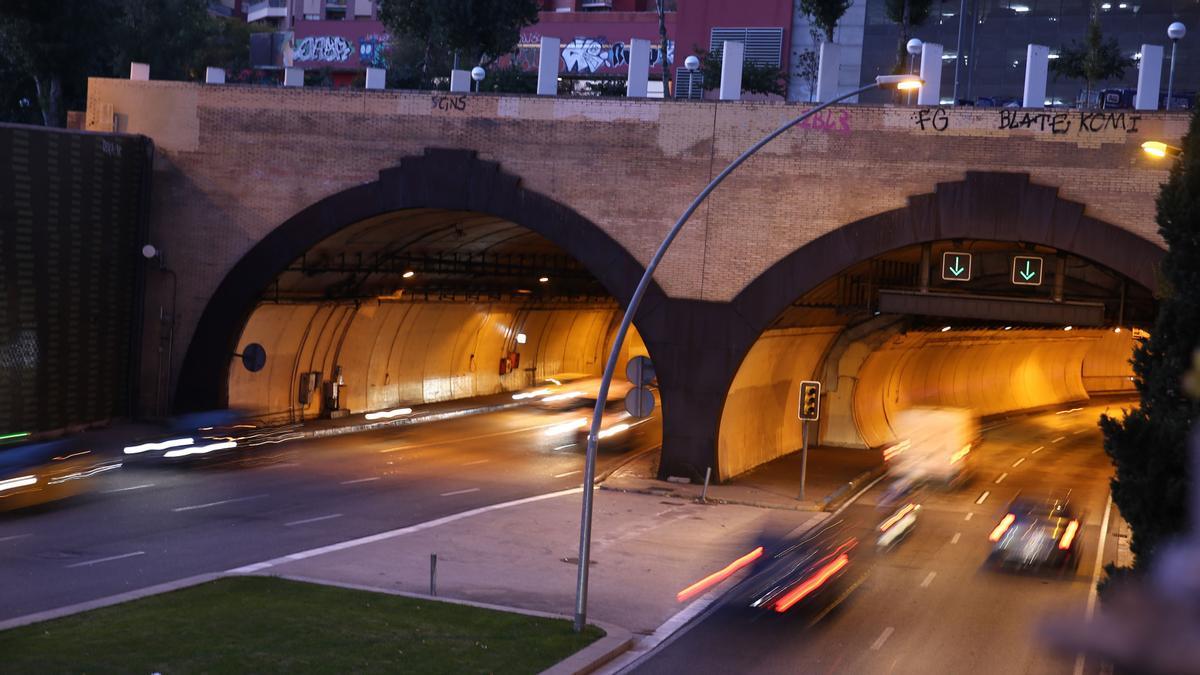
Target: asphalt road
{"points": [[930, 605], [144, 526]]}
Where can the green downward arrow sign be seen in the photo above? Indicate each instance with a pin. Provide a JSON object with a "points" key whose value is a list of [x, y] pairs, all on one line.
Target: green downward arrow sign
{"points": [[1028, 272], [957, 270]]}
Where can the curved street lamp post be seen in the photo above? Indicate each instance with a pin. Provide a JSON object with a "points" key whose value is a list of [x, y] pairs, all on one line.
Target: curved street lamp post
{"points": [[904, 82]]}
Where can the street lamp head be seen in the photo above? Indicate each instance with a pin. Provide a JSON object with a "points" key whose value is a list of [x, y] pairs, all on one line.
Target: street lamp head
{"points": [[901, 82], [1176, 30], [691, 63], [478, 73], [149, 252], [914, 46], [1160, 149]]}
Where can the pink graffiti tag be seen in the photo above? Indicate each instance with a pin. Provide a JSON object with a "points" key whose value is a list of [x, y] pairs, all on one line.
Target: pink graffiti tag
{"points": [[835, 121]]}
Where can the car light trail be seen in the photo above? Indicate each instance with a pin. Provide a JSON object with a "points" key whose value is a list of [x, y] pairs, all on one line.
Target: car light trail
{"points": [[719, 576], [388, 414], [18, 482], [162, 445], [200, 449], [1005, 523], [887, 524], [813, 583], [1068, 535]]}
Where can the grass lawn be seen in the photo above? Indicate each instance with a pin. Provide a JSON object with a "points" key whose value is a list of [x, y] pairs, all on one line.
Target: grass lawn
{"points": [[270, 625]]}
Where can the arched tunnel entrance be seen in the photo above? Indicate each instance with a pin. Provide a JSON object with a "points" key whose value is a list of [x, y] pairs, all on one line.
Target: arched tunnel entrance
{"points": [[421, 306]]}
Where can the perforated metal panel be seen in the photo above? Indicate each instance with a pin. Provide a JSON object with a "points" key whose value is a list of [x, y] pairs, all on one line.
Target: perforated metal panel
{"points": [[70, 206]]}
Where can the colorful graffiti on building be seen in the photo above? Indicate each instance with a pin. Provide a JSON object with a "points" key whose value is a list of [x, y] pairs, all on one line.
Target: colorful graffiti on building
{"points": [[373, 50], [586, 54], [323, 48]]}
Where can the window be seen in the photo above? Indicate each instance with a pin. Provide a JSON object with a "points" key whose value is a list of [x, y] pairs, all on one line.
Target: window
{"points": [[764, 46]]}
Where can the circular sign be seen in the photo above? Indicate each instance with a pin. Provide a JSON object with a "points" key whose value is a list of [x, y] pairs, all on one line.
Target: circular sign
{"points": [[254, 357], [639, 402], [640, 371]]}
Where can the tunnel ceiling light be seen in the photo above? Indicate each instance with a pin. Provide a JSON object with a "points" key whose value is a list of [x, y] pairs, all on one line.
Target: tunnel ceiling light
{"points": [[1068, 327], [522, 338], [543, 279], [1008, 328], [1117, 329], [945, 328], [408, 275]]}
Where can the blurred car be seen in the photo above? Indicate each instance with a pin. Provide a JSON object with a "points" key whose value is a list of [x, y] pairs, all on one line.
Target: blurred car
{"points": [[1036, 534], [806, 571], [581, 394], [40, 473], [554, 385], [209, 437], [619, 431], [897, 526], [934, 446]]}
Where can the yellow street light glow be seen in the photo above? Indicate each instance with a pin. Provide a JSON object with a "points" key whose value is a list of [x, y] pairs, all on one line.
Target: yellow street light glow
{"points": [[901, 82], [908, 85], [1160, 149]]}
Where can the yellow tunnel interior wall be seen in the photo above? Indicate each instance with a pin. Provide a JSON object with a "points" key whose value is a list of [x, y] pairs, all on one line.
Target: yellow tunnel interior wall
{"points": [[758, 422], [395, 354]]}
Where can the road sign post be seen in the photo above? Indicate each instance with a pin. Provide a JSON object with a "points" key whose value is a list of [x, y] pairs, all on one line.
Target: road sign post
{"points": [[810, 411], [956, 266], [1027, 270]]}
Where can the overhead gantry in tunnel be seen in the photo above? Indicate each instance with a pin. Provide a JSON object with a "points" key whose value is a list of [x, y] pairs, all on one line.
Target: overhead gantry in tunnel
{"points": [[901, 331], [421, 306]]}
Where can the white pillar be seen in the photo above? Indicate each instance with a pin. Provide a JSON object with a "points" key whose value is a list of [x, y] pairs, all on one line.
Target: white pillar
{"points": [[1037, 62], [639, 68], [460, 81], [376, 78], [931, 72], [548, 67], [1149, 77], [214, 75], [732, 54], [139, 71], [293, 77], [828, 71]]}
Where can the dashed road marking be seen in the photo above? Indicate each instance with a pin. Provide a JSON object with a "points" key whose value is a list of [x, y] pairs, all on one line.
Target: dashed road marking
{"points": [[956, 537], [878, 643], [15, 536], [1060, 438], [1038, 449], [459, 492], [569, 473], [313, 520], [478, 461], [969, 515], [1018, 462], [928, 580], [131, 487], [1001, 478], [1081, 431], [359, 480], [110, 558], [210, 504], [564, 447], [982, 497]]}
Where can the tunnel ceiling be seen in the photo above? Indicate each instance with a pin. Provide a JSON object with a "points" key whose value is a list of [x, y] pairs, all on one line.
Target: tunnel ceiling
{"points": [[446, 255], [854, 295]]}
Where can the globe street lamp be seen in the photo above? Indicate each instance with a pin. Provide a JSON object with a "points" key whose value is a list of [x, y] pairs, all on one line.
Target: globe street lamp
{"points": [[1175, 31], [900, 82], [477, 74]]}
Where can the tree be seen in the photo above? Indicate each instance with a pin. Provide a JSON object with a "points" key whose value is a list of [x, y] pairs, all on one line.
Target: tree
{"points": [[170, 35], [482, 30], [808, 63], [825, 14], [1092, 61], [756, 78], [907, 14], [57, 44], [666, 53], [1148, 446]]}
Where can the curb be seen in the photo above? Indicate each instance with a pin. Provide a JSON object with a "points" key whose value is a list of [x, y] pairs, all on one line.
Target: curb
{"points": [[108, 601], [404, 421], [615, 641], [839, 496], [668, 492]]}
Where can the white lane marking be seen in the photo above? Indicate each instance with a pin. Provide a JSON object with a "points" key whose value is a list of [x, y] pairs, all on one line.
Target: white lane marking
{"points": [[313, 520], [1058, 439], [223, 501], [983, 497], [281, 465], [878, 643], [459, 492], [1091, 601], [564, 447], [956, 537], [928, 580], [452, 441], [1001, 478], [132, 487], [478, 461], [569, 473], [360, 480], [15, 536], [970, 515], [391, 534], [1081, 431], [1019, 462], [1039, 449], [87, 563]]}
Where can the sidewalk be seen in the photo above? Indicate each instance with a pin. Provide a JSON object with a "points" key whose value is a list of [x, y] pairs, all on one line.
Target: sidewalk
{"points": [[776, 484]]}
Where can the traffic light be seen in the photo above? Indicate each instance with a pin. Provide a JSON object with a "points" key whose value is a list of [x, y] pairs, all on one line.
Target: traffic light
{"points": [[810, 400]]}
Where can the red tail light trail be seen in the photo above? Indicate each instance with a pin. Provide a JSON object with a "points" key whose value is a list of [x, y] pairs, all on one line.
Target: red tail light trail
{"points": [[719, 576], [1005, 523], [811, 584]]}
